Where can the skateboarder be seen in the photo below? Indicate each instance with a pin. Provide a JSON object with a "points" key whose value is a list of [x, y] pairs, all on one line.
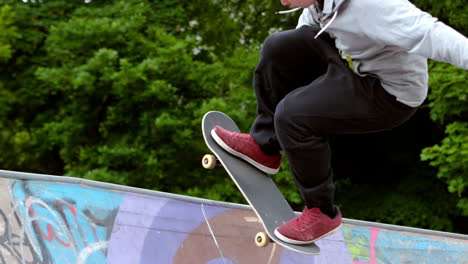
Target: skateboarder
{"points": [[306, 91]]}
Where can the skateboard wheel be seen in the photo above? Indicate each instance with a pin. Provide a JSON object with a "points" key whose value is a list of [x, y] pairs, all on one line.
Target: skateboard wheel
{"points": [[261, 239], [209, 161]]}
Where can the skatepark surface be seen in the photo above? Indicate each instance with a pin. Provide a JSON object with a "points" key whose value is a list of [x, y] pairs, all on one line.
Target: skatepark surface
{"points": [[53, 219]]}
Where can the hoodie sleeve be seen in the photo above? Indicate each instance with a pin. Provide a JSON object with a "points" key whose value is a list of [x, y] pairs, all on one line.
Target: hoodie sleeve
{"points": [[401, 24], [306, 19]]}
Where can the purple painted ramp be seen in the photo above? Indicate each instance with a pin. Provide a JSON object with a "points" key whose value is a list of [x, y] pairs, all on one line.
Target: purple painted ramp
{"points": [[48, 219]]}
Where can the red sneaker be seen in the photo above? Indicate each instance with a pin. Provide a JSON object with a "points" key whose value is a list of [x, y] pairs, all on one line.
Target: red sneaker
{"points": [[310, 226], [245, 147]]}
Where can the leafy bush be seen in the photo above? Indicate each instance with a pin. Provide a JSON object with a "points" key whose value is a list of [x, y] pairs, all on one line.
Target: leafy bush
{"points": [[449, 107]]}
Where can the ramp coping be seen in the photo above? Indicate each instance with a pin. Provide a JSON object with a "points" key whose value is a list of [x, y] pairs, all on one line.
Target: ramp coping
{"points": [[111, 186]]}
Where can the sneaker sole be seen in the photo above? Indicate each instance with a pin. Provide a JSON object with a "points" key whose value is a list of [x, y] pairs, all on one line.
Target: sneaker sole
{"points": [[298, 242], [257, 165]]}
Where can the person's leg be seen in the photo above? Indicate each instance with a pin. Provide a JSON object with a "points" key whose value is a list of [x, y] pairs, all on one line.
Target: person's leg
{"points": [[288, 60], [318, 95], [305, 92], [338, 102]]}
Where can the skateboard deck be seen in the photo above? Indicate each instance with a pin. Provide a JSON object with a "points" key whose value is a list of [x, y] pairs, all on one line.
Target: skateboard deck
{"points": [[257, 187]]}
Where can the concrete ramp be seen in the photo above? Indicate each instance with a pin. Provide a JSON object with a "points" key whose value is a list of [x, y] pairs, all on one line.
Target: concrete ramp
{"points": [[50, 219]]}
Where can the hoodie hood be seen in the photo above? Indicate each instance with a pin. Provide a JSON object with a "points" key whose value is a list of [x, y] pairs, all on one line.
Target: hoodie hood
{"points": [[330, 8]]}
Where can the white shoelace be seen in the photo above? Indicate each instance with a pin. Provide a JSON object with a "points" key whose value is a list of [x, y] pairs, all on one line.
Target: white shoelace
{"points": [[288, 11], [298, 8], [327, 25]]}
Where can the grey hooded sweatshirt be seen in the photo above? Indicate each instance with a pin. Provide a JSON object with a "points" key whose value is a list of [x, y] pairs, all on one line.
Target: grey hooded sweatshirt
{"points": [[390, 39]]}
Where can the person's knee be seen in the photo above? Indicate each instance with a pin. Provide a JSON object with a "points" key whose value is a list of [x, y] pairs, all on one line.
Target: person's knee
{"points": [[293, 126], [282, 117], [275, 46], [282, 44], [287, 128]]}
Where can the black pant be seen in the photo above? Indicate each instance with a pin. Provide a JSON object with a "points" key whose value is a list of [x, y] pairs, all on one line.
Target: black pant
{"points": [[306, 92]]}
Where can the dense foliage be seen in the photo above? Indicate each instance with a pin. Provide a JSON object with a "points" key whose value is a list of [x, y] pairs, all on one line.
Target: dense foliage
{"points": [[114, 90], [449, 108]]}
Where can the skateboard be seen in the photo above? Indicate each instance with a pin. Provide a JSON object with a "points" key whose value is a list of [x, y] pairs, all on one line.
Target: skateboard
{"points": [[257, 187]]}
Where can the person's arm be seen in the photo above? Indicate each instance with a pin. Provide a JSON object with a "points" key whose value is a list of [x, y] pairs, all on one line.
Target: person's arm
{"points": [[399, 23]]}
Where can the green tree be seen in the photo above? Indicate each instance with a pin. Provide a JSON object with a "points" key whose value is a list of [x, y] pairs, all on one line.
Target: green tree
{"points": [[111, 94], [453, 13], [114, 90], [8, 32], [448, 96], [30, 23], [449, 108]]}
